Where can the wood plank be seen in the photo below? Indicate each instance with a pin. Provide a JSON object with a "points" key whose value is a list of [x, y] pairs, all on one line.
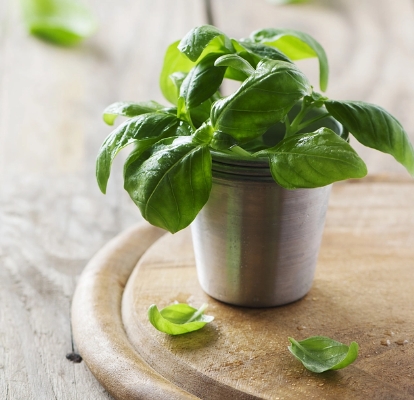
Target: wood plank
{"points": [[52, 216]]}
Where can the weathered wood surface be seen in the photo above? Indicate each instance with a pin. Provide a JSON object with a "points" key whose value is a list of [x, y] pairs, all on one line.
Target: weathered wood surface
{"points": [[52, 217], [362, 292], [97, 323]]}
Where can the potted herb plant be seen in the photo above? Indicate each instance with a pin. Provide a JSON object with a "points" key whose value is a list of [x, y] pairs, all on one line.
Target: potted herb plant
{"points": [[231, 163]]}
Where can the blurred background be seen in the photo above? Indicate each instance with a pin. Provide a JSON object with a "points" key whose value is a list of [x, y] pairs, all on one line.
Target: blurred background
{"points": [[53, 217]]}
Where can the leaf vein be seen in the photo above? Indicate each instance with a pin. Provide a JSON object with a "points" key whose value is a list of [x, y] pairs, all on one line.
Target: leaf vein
{"points": [[175, 199]]}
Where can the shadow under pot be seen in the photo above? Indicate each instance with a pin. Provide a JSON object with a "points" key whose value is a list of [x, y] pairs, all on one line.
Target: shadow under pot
{"points": [[256, 244]]}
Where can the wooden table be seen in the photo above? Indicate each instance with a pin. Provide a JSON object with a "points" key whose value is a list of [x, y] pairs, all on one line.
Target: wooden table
{"points": [[362, 292], [52, 216]]}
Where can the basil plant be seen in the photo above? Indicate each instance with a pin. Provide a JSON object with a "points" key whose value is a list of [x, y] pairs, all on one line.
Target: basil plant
{"points": [[168, 173]]}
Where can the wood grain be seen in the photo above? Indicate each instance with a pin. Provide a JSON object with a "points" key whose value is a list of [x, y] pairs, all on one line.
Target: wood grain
{"points": [[97, 324], [362, 292], [52, 216]]}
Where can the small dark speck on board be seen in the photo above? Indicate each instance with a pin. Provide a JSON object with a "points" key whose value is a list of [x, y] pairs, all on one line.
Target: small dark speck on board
{"points": [[74, 357]]}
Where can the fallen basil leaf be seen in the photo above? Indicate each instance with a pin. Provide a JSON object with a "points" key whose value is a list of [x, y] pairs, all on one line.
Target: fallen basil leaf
{"points": [[320, 353], [63, 22], [178, 318]]}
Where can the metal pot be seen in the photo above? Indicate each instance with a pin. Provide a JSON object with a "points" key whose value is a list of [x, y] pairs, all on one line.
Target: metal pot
{"points": [[256, 244]]}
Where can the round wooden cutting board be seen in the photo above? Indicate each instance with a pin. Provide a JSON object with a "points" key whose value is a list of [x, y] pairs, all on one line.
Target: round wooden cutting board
{"points": [[363, 292]]}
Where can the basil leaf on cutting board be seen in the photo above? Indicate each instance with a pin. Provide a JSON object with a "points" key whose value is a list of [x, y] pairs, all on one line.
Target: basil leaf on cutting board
{"points": [[320, 353], [177, 319]]}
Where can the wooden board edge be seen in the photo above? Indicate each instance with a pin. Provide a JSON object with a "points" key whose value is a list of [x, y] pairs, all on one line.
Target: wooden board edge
{"points": [[97, 325]]}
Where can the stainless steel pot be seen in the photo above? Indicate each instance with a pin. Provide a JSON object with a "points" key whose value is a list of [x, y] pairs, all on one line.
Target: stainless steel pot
{"points": [[256, 244]]}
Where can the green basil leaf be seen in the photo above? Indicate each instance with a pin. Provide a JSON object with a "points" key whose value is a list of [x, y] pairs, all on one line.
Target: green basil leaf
{"points": [[235, 61], [63, 22], [151, 126], [196, 41], [262, 100], [320, 353], [201, 113], [203, 134], [198, 114], [202, 81], [182, 110], [374, 127], [253, 53], [255, 145], [138, 148], [222, 141], [313, 160], [235, 74], [263, 51], [174, 61], [296, 45], [178, 318], [129, 109], [183, 129], [316, 99], [170, 182], [253, 60], [177, 79]]}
